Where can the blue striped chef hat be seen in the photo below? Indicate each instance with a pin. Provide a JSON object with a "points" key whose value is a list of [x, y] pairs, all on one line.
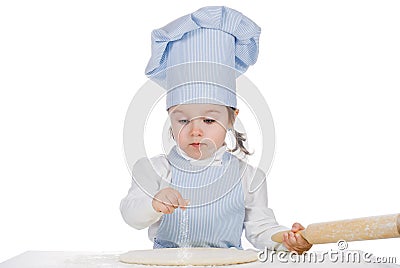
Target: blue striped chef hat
{"points": [[198, 57]]}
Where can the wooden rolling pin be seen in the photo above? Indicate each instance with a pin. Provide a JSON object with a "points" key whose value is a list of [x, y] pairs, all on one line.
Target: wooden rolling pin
{"points": [[368, 228]]}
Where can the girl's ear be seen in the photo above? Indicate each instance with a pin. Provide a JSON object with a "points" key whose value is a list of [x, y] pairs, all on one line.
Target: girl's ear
{"points": [[236, 113]]}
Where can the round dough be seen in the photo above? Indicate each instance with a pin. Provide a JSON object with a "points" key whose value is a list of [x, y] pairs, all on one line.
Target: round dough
{"points": [[189, 256]]}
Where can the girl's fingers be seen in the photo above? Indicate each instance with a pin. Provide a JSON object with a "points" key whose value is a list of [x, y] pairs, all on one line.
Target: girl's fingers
{"points": [[299, 238], [171, 200], [295, 242], [182, 202], [292, 238], [167, 200], [160, 207], [297, 227], [167, 209], [164, 205], [286, 241]]}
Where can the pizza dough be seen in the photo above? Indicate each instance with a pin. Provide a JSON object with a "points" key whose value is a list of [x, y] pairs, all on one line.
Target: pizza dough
{"points": [[189, 256]]}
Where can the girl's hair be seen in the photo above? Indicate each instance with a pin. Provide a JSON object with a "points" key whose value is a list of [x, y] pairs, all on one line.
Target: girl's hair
{"points": [[239, 137]]}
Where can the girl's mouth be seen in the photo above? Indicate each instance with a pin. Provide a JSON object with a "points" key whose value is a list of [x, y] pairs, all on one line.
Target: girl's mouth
{"points": [[196, 144]]}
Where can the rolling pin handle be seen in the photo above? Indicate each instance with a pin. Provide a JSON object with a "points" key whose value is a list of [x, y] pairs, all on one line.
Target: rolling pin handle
{"points": [[398, 223], [278, 237]]}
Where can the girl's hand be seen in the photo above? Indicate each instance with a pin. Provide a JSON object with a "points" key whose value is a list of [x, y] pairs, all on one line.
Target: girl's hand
{"points": [[294, 241], [167, 200]]}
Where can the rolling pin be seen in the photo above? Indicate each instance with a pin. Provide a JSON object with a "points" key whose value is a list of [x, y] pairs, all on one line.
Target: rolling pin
{"points": [[368, 228]]}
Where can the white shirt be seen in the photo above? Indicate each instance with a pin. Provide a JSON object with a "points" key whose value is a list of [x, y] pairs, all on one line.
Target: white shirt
{"points": [[154, 175]]}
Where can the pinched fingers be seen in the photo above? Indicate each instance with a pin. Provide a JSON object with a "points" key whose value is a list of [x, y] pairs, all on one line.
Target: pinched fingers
{"points": [[176, 200], [182, 203], [167, 200], [164, 201], [161, 207], [297, 227]]}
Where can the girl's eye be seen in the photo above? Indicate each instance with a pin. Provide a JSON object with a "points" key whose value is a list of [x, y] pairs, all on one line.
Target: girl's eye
{"points": [[209, 121], [183, 121]]}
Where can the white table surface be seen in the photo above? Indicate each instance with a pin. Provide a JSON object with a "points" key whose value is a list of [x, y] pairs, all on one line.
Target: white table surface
{"points": [[71, 259]]}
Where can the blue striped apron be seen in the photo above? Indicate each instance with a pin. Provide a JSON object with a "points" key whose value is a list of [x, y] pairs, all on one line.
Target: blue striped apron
{"points": [[216, 212]]}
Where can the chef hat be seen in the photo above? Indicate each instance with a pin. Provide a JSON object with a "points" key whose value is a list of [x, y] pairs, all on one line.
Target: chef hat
{"points": [[198, 57]]}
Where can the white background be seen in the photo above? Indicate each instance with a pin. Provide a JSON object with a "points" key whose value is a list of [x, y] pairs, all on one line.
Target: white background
{"points": [[329, 71]]}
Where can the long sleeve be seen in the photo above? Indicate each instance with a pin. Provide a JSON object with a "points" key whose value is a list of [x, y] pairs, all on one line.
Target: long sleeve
{"points": [[260, 223], [136, 208]]}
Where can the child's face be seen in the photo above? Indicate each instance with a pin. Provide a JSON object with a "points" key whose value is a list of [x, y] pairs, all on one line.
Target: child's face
{"points": [[199, 129]]}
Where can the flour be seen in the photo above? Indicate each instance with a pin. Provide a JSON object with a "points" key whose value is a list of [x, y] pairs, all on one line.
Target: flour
{"points": [[184, 229]]}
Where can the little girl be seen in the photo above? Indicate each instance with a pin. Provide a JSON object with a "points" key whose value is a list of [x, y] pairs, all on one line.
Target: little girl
{"points": [[201, 195]]}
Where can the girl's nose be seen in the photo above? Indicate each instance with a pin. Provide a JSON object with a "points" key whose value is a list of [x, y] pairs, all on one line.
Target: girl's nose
{"points": [[195, 128]]}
